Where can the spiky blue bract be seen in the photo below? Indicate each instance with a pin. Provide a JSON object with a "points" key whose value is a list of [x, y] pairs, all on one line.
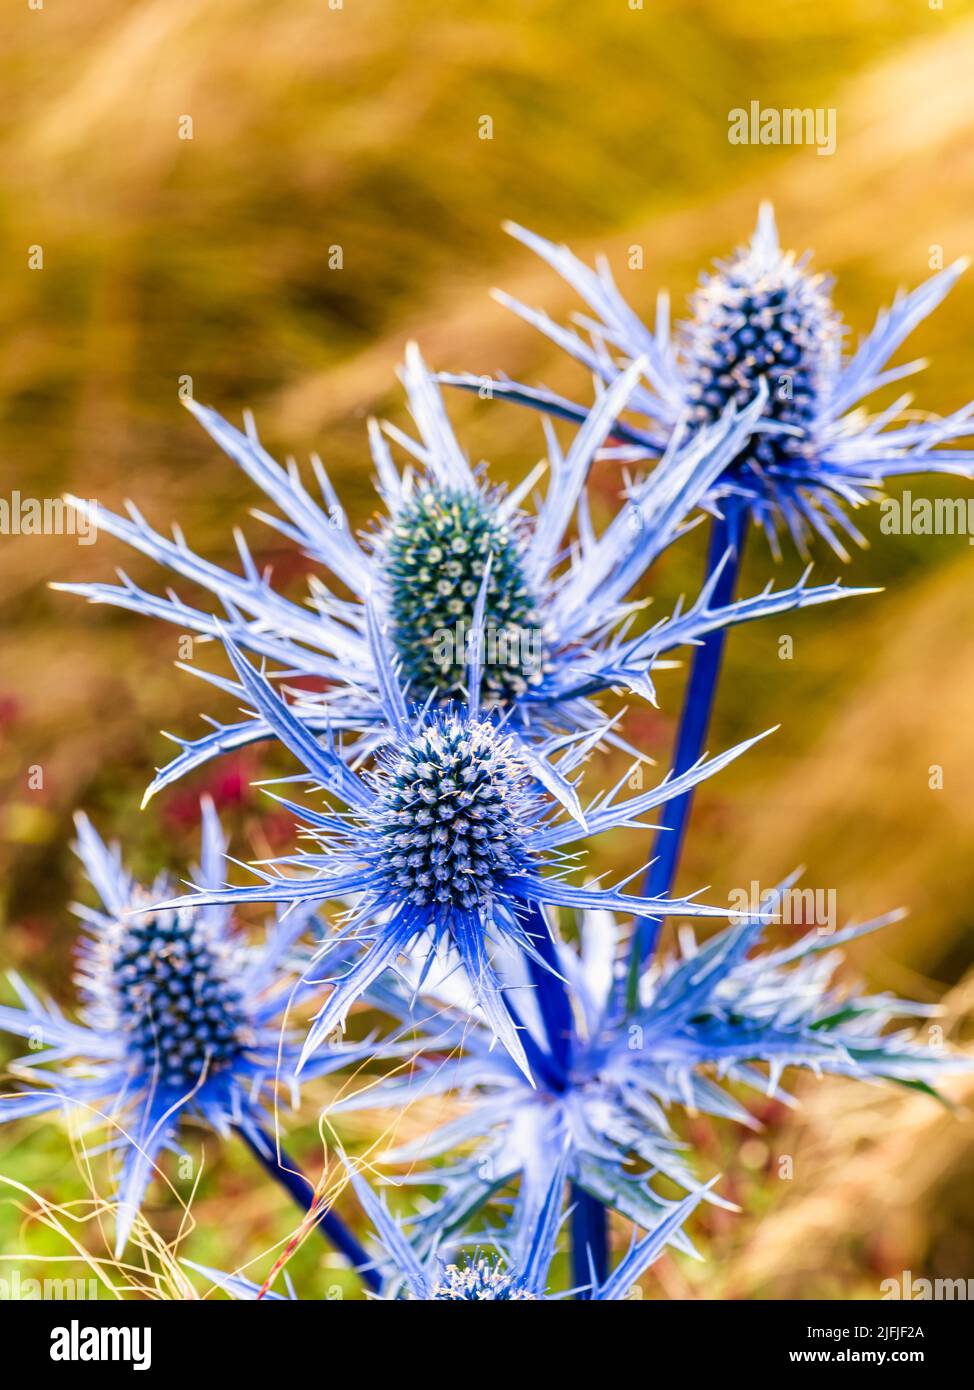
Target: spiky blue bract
{"points": [[180, 1016], [762, 316], [708, 1018], [452, 839], [554, 624]]}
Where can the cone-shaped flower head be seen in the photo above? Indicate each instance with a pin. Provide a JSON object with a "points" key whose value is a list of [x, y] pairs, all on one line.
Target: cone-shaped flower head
{"points": [[436, 553], [166, 984], [763, 318], [451, 814], [478, 1280]]}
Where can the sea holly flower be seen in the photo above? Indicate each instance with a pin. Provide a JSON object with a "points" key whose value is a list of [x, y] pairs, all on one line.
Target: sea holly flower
{"points": [[180, 1016], [709, 1018], [452, 839], [763, 322], [555, 626], [487, 1274], [762, 316]]}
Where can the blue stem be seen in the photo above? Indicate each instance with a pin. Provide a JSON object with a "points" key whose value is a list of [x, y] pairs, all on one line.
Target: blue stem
{"points": [[286, 1172], [590, 1223], [590, 1240], [553, 1002], [590, 1234], [542, 1067], [727, 533]]}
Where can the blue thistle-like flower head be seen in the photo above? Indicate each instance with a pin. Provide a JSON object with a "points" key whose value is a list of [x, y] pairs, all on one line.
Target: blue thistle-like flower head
{"points": [[448, 842], [761, 320], [763, 317], [434, 558], [165, 983], [478, 1280], [180, 1015], [453, 810]]}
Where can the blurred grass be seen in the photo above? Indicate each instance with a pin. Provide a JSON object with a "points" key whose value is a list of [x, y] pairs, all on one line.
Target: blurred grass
{"points": [[208, 258]]}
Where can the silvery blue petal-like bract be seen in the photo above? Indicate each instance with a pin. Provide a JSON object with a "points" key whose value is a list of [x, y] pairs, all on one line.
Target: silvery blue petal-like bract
{"points": [[711, 1017]]}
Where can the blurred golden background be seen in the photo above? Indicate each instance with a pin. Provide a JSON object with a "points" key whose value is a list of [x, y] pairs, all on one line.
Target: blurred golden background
{"points": [[166, 257]]}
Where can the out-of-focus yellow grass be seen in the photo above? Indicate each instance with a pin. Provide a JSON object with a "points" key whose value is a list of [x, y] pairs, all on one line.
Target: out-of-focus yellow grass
{"points": [[208, 258]]}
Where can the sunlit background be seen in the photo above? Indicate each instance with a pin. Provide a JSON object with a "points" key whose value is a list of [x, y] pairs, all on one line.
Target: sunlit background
{"points": [[208, 258]]}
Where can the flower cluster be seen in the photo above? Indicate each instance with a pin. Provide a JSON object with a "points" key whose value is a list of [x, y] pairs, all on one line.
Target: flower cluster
{"points": [[450, 814], [554, 623], [461, 683]]}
